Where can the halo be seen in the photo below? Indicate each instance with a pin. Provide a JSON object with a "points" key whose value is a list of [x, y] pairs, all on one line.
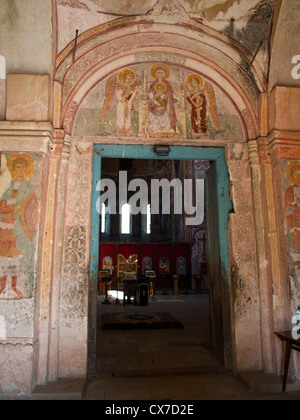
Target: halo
{"points": [[289, 171], [160, 84], [124, 72], [160, 67], [11, 161], [195, 76]]}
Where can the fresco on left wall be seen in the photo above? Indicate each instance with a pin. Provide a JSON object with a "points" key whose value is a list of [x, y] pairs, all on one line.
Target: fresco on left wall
{"points": [[292, 206], [20, 189], [158, 101]]}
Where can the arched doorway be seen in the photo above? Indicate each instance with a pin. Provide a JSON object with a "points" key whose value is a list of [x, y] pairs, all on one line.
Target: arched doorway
{"points": [[219, 206], [88, 86]]}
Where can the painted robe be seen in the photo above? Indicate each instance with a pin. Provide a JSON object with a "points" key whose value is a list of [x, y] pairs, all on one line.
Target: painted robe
{"points": [[161, 118], [18, 207], [198, 104], [126, 96], [293, 217]]}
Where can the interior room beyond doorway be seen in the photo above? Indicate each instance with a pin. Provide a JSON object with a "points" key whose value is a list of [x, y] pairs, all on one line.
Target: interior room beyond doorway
{"points": [[182, 162], [164, 243], [133, 244]]}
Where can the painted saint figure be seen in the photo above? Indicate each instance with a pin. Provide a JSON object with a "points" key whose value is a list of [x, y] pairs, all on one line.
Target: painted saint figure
{"points": [[181, 266], [108, 264], [164, 265], [160, 97], [202, 99], [161, 102], [292, 204], [126, 89], [18, 219], [147, 264]]}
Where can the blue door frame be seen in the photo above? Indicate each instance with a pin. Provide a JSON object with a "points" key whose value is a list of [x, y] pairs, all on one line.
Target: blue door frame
{"points": [[147, 152]]}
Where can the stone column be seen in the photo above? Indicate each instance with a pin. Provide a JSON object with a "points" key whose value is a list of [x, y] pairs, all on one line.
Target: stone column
{"points": [[262, 205], [73, 322], [243, 270], [46, 285], [58, 255]]}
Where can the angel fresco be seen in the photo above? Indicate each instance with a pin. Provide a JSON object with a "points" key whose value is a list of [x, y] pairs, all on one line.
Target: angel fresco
{"points": [[202, 100], [126, 87], [18, 220]]}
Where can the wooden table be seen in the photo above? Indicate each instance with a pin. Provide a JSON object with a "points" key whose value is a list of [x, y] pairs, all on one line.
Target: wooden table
{"points": [[290, 344]]}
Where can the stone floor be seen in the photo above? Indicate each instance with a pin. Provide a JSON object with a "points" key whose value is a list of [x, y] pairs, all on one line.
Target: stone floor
{"points": [[170, 364], [156, 365]]}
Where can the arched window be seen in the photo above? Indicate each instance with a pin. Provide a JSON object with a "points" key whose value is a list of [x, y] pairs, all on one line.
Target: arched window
{"points": [[126, 219]]}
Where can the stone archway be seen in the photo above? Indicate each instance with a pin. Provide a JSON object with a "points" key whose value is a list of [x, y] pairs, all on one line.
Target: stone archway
{"points": [[253, 248], [51, 340], [110, 48], [141, 44]]}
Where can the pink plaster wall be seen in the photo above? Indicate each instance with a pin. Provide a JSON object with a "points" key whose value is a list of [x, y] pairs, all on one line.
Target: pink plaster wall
{"points": [[28, 97], [285, 108]]}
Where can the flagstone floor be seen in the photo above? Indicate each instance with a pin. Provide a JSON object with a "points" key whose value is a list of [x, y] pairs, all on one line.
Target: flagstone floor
{"points": [[160, 365], [165, 364], [136, 352]]}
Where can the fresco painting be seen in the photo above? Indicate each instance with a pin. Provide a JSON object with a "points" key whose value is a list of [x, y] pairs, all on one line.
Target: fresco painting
{"points": [[161, 116], [158, 101], [199, 97], [292, 204], [126, 88], [19, 213]]}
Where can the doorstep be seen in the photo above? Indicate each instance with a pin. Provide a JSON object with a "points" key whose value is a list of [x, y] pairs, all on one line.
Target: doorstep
{"points": [[62, 389], [265, 383]]}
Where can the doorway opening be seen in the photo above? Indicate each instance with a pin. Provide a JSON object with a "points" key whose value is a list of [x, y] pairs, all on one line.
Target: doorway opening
{"points": [[182, 256]]}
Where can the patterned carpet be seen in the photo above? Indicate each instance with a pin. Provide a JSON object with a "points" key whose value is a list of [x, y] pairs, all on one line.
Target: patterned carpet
{"points": [[125, 321]]}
